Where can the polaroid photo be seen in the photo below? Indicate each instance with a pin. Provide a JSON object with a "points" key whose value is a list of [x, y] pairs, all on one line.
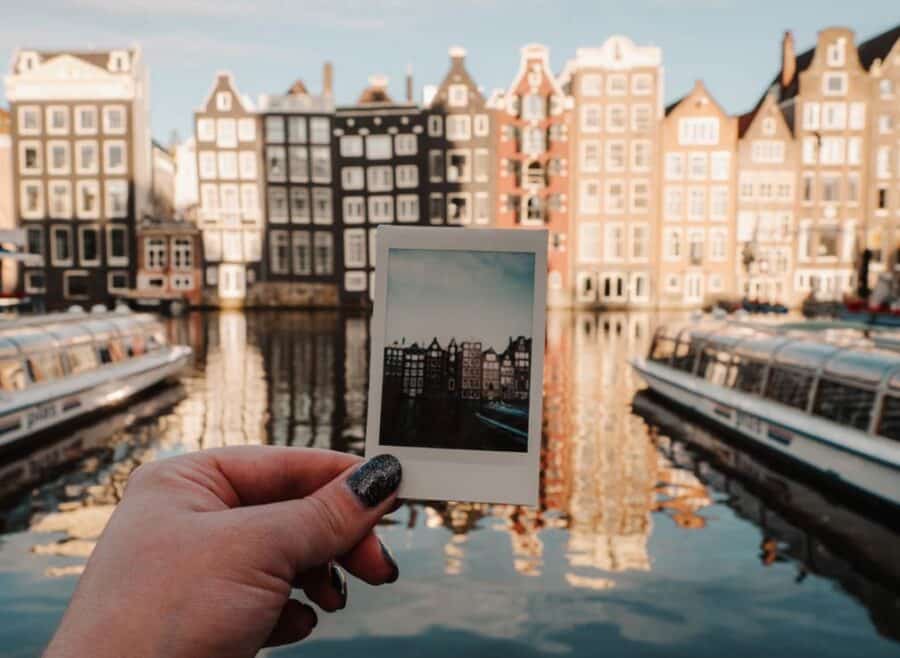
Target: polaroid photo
{"points": [[457, 361]]}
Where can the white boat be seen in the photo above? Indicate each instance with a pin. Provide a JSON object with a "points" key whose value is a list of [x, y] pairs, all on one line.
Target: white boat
{"points": [[832, 407], [60, 367]]}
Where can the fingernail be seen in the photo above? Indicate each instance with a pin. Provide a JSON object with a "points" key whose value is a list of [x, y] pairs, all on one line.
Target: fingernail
{"points": [[339, 582], [375, 480], [389, 558]]}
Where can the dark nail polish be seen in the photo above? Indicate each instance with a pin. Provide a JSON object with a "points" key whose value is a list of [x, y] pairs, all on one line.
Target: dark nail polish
{"points": [[339, 582], [389, 558], [375, 480]]}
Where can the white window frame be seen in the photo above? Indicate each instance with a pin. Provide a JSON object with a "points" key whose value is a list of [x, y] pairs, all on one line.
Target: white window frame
{"points": [[55, 261], [406, 144], [379, 147], [353, 178], [609, 197], [108, 111], [247, 169], [107, 147], [67, 212], [380, 178], [206, 129], [94, 185], [407, 208], [39, 212], [590, 242], [51, 109], [246, 129], [227, 165], [378, 202], [38, 149], [352, 204], [458, 127], [34, 111], [352, 235], [406, 176], [79, 162], [109, 185], [90, 110]]}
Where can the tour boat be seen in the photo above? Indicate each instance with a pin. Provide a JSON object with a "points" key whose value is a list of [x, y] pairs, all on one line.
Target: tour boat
{"points": [[60, 367], [834, 407], [507, 419]]}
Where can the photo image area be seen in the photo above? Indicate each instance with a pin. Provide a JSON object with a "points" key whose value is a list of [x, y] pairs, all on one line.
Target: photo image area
{"points": [[458, 349]]}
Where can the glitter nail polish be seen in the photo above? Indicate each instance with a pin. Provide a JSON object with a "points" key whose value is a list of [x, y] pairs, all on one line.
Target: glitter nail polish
{"points": [[375, 480]]}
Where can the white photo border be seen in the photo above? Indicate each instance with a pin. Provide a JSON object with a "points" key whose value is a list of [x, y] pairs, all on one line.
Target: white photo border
{"points": [[451, 474]]}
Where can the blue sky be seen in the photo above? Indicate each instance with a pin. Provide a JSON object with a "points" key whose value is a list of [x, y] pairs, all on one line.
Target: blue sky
{"points": [[732, 44], [484, 295]]}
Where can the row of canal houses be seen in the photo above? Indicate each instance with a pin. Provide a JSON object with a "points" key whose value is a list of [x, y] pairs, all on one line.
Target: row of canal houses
{"points": [[647, 205], [462, 371]]}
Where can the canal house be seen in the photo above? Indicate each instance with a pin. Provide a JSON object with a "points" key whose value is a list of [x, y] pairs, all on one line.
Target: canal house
{"points": [[490, 377], [413, 371], [435, 370], [169, 263], [454, 359], [471, 370]]}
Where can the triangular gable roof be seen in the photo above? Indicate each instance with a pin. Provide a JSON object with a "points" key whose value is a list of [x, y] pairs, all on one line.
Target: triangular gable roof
{"points": [[745, 121], [457, 67], [228, 78], [699, 88], [542, 53]]}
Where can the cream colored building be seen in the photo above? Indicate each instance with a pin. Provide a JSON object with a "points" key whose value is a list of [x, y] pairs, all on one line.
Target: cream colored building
{"points": [[614, 155], [766, 194], [7, 218], [696, 253]]}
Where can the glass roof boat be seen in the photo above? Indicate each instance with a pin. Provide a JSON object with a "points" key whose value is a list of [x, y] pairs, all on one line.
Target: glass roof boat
{"points": [[829, 404]]}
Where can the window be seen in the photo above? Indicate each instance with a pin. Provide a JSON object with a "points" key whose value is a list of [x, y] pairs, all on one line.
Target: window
{"points": [[482, 125], [640, 155], [212, 246], [274, 130], [696, 203], [380, 179], [407, 176], [61, 246], [435, 126], [534, 107], [182, 254], [351, 146], [884, 124], [206, 130], [589, 242], [697, 166], [883, 162], [30, 159], [458, 211], [702, 131], [718, 244], [58, 157], [767, 151], [155, 254], [459, 127], [279, 255], [590, 118], [405, 144], [321, 164], [407, 208], [615, 196], [835, 53], [590, 197], [57, 120], [672, 244], [34, 242], [674, 166], [590, 156], [323, 244], [86, 161], [322, 211], [854, 150], [695, 247], [789, 387], [88, 199], [299, 164], [352, 178], [458, 166], [828, 242], [230, 203], [614, 242], [297, 130], [834, 84], [674, 201], [482, 165], [641, 117], [831, 150], [381, 209], [249, 202], [834, 116], [857, 116], [32, 202], [831, 189], [278, 206], [640, 196], [35, 283], [114, 157], [435, 166], [276, 163], [354, 210], [592, 84], [378, 147], [617, 84], [228, 165], [640, 237], [718, 202], [436, 208], [299, 203], [207, 162], [114, 120], [246, 129], [60, 199], [882, 198], [355, 247], [642, 84], [615, 155], [85, 120], [29, 120], [75, 285], [533, 140], [319, 130], [482, 208], [247, 165], [615, 118], [457, 96], [768, 126], [302, 249]]}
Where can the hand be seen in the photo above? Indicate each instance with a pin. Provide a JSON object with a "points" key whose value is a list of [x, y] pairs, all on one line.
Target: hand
{"points": [[200, 556]]}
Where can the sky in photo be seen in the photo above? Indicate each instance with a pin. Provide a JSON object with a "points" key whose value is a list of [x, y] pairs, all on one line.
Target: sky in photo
{"points": [[486, 295], [733, 45]]}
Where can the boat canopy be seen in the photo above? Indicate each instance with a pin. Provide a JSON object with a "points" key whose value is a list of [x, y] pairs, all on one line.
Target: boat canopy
{"points": [[867, 366], [8, 349], [809, 355], [70, 334]]}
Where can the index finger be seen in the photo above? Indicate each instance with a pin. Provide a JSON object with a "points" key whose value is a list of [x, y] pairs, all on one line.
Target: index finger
{"points": [[271, 474]]}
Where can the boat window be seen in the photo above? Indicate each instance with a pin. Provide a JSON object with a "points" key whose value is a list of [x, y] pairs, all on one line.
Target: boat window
{"points": [[81, 358], [889, 427], [663, 348], [714, 366], [844, 403], [684, 356], [44, 366], [155, 339], [749, 375], [116, 351], [788, 386], [12, 375]]}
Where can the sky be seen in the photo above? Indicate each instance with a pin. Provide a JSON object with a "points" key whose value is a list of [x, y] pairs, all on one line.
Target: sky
{"points": [[733, 45], [485, 295]]}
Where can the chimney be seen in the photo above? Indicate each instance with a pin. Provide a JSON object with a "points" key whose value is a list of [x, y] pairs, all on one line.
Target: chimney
{"points": [[327, 79], [457, 53], [409, 84], [788, 59]]}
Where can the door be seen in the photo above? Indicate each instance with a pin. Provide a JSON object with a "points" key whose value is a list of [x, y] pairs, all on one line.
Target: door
{"points": [[232, 282], [693, 288]]}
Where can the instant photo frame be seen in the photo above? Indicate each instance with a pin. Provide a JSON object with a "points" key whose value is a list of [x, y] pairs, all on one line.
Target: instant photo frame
{"points": [[457, 473]]}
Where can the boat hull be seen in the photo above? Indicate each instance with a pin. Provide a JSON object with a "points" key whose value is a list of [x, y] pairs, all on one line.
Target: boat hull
{"points": [[833, 451], [47, 407]]}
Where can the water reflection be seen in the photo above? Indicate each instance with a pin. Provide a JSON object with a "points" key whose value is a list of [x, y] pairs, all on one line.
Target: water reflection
{"points": [[615, 484]]}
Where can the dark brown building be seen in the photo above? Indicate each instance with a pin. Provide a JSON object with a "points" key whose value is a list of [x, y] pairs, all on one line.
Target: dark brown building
{"points": [[82, 169]]}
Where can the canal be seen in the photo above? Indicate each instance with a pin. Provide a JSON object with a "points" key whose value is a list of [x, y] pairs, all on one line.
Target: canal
{"points": [[654, 536]]}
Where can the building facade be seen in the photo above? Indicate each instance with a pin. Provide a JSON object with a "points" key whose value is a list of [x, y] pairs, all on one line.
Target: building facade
{"points": [[162, 202], [229, 171], [300, 264], [170, 261], [696, 255], [615, 155], [380, 148], [460, 149], [767, 175], [532, 119], [7, 209], [187, 188], [81, 171]]}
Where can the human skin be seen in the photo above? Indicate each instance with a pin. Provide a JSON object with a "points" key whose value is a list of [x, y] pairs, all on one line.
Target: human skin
{"points": [[201, 555]]}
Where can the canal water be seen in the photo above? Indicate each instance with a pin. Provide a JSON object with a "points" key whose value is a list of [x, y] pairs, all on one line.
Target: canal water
{"points": [[654, 536]]}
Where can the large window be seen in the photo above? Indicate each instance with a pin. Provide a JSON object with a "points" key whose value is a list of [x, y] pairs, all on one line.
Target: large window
{"points": [[297, 130], [323, 245], [89, 245], [789, 387], [276, 163], [302, 249], [845, 404], [279, 252], [378, 147], [117, 245], [698, 130], [300, 210], [355, 247], [61, 246], [322, 210], [321, 164], [459, 166]]}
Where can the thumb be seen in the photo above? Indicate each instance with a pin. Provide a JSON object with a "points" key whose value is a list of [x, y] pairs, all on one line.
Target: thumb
{"points": [[335, 518]]}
